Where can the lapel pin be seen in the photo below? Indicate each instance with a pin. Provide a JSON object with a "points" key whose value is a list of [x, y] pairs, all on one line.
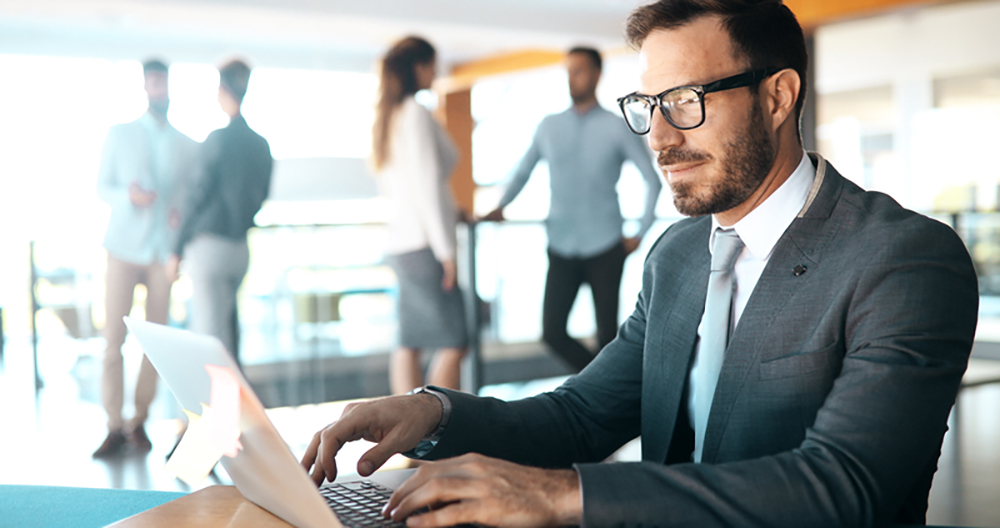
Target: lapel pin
{"points": [[800, 270]]}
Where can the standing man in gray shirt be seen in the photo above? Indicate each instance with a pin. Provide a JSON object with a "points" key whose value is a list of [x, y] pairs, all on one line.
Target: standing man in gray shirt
{"points": [[235, 179], [142, 164], [585, 147]]}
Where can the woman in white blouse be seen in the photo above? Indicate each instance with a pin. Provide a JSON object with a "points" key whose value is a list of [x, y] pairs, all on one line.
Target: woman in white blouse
{"points": [[413, 157]]}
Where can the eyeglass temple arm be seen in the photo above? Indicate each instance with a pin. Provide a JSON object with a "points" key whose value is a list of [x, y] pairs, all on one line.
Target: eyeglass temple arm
{"points": [[741, 80]]}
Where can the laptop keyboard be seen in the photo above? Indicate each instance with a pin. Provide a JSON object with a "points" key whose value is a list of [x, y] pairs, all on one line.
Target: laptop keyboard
{"points": [[359, 503]]}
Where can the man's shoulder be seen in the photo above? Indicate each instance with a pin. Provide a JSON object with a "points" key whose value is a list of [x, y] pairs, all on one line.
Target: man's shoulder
{"points": [[129, 125], [555, 119], [873, 211], [867, 224], [254, 136], [598, 112], [240, 136], [126, 136], [260, 146], [612, 122], [607, 113], [559, 122], [130, 128]]}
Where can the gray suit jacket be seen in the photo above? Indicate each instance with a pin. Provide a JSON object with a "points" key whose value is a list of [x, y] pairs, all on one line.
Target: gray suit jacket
{"points": [[833, 397]]}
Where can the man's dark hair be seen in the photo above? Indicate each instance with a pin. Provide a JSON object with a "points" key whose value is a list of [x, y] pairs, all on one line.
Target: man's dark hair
{"points": [[234, 76], [154, 65], [765, 33], [591, 53]]}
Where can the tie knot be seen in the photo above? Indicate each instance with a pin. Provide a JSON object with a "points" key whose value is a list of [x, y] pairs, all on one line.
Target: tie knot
{"points": [[725, 248]]}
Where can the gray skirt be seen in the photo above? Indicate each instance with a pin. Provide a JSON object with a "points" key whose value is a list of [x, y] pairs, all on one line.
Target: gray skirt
{"points": [[429, 317]]}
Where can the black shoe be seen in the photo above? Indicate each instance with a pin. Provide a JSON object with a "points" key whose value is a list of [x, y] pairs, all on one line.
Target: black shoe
{"points": [[113, 445], [140, 442]]}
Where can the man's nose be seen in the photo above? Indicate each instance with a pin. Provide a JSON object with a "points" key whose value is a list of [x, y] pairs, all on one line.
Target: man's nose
{"points": [[663, 135]]}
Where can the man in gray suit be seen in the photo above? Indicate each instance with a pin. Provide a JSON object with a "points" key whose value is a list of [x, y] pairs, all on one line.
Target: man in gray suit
{"points": [[792, 358]]}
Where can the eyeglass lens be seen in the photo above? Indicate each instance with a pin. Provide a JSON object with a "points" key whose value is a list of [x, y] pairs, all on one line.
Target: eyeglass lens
{"points": [[682, 107]]}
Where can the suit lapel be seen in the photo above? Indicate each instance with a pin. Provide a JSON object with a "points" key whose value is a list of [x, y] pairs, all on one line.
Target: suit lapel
{"points": [[800, 245], [668, 354]]}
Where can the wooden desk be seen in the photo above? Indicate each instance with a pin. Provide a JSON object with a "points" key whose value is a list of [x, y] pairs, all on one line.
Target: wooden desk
{"points": [[220, 506], [208, 508]]}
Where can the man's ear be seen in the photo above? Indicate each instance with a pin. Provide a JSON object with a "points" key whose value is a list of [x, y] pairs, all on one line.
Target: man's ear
{"points": [[780, 92]]}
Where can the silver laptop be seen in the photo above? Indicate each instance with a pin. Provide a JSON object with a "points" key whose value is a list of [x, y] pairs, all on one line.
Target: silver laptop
{"points": [[265, 471]]}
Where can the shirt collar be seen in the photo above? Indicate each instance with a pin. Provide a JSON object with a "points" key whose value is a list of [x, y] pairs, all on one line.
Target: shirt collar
{"points": [[761, 228]]}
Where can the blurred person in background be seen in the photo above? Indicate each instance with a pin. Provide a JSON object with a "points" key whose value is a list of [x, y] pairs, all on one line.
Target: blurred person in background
{"points": [[142, 165], [233, 182], [585, 147], [414, 157]]}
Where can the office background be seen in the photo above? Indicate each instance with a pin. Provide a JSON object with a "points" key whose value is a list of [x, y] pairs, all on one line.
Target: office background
{"points": [[906, 101]]}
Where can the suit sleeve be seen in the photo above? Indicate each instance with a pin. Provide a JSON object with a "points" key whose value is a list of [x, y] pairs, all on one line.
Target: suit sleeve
{"points": [[908, 333], [586, 419]]}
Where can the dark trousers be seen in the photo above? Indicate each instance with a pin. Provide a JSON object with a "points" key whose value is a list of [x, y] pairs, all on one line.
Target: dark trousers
{"points": [[603, 273]]}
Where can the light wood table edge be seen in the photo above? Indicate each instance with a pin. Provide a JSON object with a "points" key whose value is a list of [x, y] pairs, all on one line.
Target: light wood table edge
{"points": [[209, 507]]}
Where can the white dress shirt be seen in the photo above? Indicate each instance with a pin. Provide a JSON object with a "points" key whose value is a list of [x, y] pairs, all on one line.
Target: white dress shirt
{"points": [[759, 230]]}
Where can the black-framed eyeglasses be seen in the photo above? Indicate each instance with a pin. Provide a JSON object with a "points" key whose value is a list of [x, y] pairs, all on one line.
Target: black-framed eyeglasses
{"points": [[683, 106]]}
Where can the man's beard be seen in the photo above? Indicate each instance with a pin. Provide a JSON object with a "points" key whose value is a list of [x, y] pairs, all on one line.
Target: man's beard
{"points": [[747, 162]]}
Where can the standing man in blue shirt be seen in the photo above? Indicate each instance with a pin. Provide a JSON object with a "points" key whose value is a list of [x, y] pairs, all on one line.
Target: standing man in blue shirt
{"points": [[142, 167], [585, 147]]}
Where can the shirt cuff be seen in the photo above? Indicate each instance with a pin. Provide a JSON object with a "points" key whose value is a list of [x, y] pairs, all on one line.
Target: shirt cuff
{"points": [[430, 441]]}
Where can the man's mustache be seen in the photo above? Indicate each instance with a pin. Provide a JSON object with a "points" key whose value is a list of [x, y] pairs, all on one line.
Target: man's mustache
{"points": [[675, 156]]}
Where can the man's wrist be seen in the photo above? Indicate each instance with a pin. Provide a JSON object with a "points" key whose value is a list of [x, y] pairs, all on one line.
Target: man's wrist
{"points": [[431, 439], [566, 497]]}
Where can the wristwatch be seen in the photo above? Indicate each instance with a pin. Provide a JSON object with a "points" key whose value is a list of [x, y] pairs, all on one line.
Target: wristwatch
{"points": [[431, 440]]}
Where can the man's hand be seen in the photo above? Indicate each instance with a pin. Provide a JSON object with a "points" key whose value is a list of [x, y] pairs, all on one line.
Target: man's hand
{"points": [[140, 197], [495, 215], [173, 267], [397, 424], [450, 275], [481, 490], [631, 244]]}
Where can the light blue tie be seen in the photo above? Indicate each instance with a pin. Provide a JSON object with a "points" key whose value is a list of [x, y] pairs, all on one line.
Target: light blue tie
{"points": [[718, 309]]}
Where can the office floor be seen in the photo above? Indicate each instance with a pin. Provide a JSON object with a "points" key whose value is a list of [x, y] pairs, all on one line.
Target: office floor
{"points": [[48, 439]]}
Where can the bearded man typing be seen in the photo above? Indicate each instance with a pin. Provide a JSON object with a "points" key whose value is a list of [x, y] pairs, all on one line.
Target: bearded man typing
{"points": [[792, 358]]}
